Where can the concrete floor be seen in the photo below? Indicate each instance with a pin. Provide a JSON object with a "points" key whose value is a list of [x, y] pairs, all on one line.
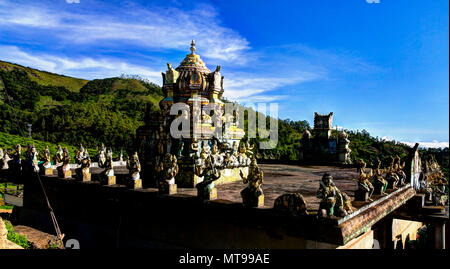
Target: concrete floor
{"points": [[280, 179]]}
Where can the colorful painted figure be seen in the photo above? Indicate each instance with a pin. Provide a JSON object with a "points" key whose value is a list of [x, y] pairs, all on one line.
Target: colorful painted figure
{"points": [[332, 201]]}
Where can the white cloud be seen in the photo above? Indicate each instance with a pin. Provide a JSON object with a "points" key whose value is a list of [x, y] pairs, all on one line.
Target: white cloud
{"points": [[155, 28], [250, 87], [433, 144], [85, 67]]}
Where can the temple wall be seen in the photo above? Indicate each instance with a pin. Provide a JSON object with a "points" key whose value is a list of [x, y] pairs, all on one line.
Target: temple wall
{"points": [[405, 230], [114, 216], [364, 241]]}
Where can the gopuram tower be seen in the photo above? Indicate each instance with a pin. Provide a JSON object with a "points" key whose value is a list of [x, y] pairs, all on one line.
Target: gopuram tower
{"points": [[211, 132]]}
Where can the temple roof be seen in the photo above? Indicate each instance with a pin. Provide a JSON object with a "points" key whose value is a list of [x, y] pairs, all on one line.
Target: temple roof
{"points": [[193, 61]]}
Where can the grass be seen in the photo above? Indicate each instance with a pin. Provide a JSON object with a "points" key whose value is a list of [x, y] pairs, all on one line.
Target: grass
{"points": [[16, 238], [47, 78]]}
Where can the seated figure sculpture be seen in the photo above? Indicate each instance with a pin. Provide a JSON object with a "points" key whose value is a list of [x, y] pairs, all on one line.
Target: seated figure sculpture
{"points": [[107, 176], [64, 170], [167, 170], [210, 173], [84, 161], [46, 166], [218, 158], [79, 154], [365, 188], [58, 159], [252, 195], [134, 167], [243, 158], [332, 201], [378, 182], [391, 176], [31, 163]]}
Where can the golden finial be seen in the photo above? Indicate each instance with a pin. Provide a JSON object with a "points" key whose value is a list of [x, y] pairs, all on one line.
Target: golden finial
{"points": [[193, 47]]}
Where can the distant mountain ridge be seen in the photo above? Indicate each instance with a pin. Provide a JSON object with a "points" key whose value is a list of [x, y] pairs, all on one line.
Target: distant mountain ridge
{"points": [[46, 78]]}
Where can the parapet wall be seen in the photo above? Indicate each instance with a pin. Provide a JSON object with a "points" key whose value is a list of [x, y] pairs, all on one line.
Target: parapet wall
{"points": [[114, 216]]}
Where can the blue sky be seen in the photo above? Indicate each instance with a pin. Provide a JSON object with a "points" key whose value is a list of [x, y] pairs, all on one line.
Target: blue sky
{"points": [[382, 67]]}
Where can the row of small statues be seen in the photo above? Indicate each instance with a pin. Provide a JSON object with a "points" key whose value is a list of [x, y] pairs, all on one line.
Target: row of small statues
{"points": [[377, 181], [230, 157], [333, 201], [209, 170], [13, 161]]}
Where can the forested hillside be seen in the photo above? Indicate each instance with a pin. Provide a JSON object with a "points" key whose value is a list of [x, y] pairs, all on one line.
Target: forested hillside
{"points": [[101, 111]]}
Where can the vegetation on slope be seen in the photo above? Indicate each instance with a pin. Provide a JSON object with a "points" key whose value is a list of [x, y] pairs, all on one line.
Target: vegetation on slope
{"points": [[103, 111], [46, 78]]}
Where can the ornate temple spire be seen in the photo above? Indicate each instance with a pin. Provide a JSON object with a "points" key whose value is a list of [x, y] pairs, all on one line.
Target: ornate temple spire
{"points": [[193, 60], [193, 47]]}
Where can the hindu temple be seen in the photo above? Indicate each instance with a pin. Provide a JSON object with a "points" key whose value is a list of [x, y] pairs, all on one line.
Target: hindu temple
{"points": [[321, 146], [193, 87]]}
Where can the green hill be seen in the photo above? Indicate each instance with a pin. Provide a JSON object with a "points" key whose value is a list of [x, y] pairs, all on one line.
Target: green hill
{"points": [[100, 111], [46, 78]]}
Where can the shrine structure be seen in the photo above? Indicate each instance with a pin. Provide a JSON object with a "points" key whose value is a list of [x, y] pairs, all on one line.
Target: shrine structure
{"points": [[193, 87]]}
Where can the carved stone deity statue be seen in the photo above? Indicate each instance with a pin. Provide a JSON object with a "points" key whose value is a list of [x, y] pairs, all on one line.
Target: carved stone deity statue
{"points": [[134, 168], [84, 160], [391, 176], [365, 188], [332, 201], [108, 174], [4, 162], [217, 79], [425, 187], [79, 156], [32, 159], [378, 182], [252, 195], [343, 148], [46, 165], [64, 170], [210, 173], [167, 170], [218, 158], [399, 166], [58, 156], [101, 156], [194, 149], [171, 74], [243, 159]]}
